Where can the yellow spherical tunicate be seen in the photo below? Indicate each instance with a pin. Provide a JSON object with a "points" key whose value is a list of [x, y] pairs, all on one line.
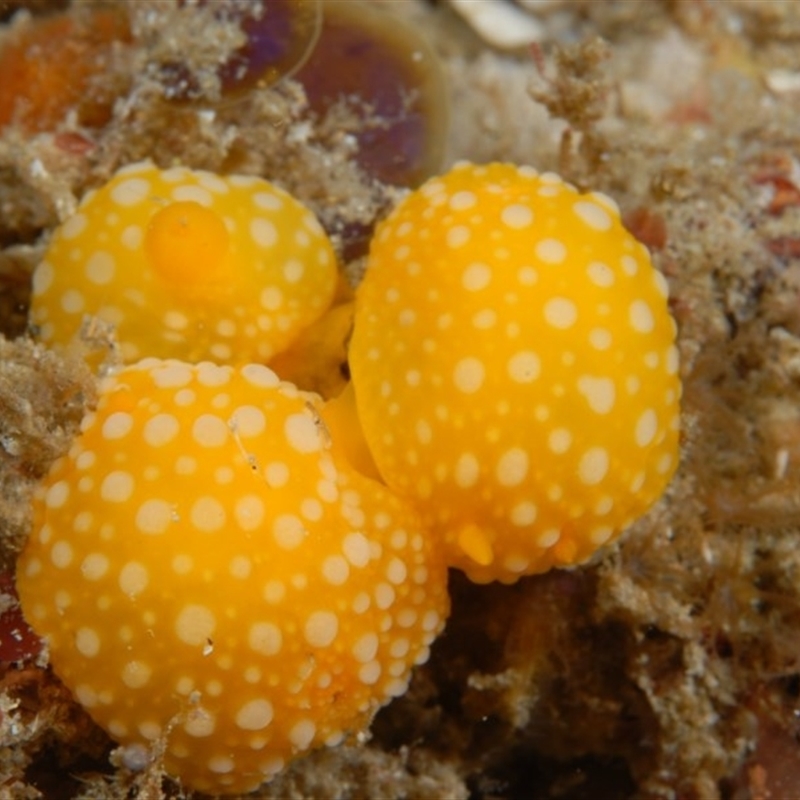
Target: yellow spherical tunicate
{"points": [[515, 370], [214, 579], [187, 264]]}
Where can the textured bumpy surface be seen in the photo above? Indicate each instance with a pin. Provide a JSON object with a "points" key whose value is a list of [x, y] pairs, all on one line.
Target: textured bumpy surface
{"points": [[187, 265], [514, 366], [206, 569]]}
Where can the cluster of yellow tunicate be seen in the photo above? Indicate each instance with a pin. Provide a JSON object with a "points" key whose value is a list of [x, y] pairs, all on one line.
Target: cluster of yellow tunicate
{"points": [[229, 566], [208, 569], [187, 264], [515, 369]]}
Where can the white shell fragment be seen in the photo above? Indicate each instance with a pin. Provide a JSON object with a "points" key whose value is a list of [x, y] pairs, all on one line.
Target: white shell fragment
{"points": [[501, 24]]}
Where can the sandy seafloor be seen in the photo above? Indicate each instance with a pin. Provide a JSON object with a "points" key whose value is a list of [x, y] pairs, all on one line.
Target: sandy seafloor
{"points": [[670, 666]]}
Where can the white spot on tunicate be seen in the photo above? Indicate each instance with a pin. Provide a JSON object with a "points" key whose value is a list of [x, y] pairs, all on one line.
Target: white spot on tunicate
{"points": [[516, 216], [548, 538], [424, 432], [467, 470], [225, 327], [62, 554], [269, 201], [672, 359], [407, 317], [86, 695], [485, 319], [560, 312], [293, 270], [136, 674], [512, 467], [369, 673], [221, 765], [366, 648], [171, 375], [271, 298], [200, 723], [637, 482], [240, 567], [160, 429], [302, 433], [458, 236], [207, 514], [195, 624], [276, 473], [646, 428], [664, 464], [57, 494], [209, 430], [361, 603], [87, 642], [130, 192], [260, 376], [600, 393], [600, 338], [593, 466], [33, 567], [524, 366], [384, 596], [249, 512], [264, 232], [249, 421], [182, 564], [100, 268], [302, 733], [399, 647], [601, 534], [551, 251], [356, 549], [516, 563], [72, 301], [469, 374], [461, 201], [74, 226], [476, 277], [43, 278], [396, 572], [94, 566], [211, 375], [559, 440], [335, 570], [594, 215], [117, 425], [527, 276], [274, 592], [406, 618], [212, 182], [254, 715], [523, 514], [321, 628], [641, 317], [193, 194], [131, 237], [288, 531], [117, 487], [153, 516], [630, 266], [265, 638], [133, 578], [600, 274], [660, 282], [311, 509]]}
